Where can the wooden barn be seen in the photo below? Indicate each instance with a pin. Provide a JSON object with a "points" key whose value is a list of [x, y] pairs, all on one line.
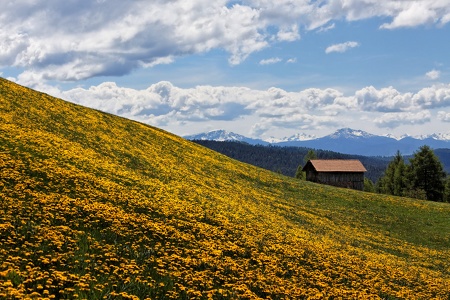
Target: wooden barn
{"points": [[347, 173]]}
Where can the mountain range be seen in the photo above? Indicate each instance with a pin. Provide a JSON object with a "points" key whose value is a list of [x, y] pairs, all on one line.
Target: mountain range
{"points": [[345, 140]]}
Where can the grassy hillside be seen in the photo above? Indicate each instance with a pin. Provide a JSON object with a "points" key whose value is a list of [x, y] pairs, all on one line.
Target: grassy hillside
{"points": [[95, 206]]}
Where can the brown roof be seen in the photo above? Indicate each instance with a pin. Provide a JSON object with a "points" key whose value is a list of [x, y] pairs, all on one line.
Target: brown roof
{"points": [[337, 165]]}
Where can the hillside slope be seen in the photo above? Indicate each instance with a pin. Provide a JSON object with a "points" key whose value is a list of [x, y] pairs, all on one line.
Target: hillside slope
{"points": [[94, 206]]}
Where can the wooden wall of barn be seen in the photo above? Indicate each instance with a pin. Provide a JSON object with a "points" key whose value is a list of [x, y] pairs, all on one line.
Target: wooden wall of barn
{"points": [[339, 179]]}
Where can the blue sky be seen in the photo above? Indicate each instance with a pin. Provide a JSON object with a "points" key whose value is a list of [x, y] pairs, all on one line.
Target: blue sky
{"points": [[251, 67]]}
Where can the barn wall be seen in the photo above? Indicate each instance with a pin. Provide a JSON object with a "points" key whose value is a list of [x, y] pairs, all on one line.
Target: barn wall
{"points": [[339, 179], [311, 175]]}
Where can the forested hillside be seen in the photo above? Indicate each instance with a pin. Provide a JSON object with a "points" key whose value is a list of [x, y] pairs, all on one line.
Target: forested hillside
{"points": [[444, 158], [286, 159], [93, 206]]}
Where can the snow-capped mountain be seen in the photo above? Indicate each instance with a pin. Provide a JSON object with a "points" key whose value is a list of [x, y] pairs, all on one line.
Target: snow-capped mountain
{"points": [[224, 135], [439, 136], [389, 135], [345, 140], [351, 141], [217, 135], [434, 136], [349, 133], [292, 138]]}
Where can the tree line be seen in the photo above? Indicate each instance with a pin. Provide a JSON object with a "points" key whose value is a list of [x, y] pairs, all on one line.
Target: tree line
{"points": [[418, 176], [422, 178], [285, 160]]}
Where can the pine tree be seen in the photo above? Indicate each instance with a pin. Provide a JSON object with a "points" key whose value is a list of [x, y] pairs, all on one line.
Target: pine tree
{"points": [[394, 182], [300, 174], [310, 155], [368, 185], [447, 189], [426, 173], [400, 181]]}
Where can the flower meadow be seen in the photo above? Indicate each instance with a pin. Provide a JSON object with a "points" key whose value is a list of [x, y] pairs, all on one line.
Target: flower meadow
{"points": [[93, 206]]}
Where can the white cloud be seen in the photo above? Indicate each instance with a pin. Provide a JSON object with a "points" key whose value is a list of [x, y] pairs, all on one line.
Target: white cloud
{"points": [[299, 121], [270, 61], [60, 40], [414, 13], [86, 39], [392, 120], [444, 116], [10, 45], [35, 81], [163, 104], [289, 34], [390, 100], [384, 100], [341, 48], [433, 74], [433, 97], [163, 101], [403, 13], [292, 60], [326, 28], [159, 61]]}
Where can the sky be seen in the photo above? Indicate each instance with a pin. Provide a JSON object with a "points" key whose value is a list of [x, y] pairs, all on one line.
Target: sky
{"points": [[259, 68]]}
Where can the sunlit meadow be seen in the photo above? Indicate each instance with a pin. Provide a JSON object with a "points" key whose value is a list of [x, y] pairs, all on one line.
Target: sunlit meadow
{"points": [[93, 206]]}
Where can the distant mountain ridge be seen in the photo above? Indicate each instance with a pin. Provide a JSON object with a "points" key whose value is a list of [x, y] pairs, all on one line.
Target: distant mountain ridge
{"points": [[224, 135], [344, 140]]}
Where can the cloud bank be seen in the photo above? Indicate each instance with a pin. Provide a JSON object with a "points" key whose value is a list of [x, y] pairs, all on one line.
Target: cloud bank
{"points": [[163, 103], [444, 116], [74, 40]]}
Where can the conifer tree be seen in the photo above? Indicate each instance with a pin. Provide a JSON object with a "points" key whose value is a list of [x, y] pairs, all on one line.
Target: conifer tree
{"points": [[310, 155], [394, 182], [400, 181], [300, 174], [447, 189], [426, 173], [368, 185]]}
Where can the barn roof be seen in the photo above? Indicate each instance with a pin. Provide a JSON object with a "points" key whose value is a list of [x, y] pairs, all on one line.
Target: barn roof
{"points": [[336, 165]]}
